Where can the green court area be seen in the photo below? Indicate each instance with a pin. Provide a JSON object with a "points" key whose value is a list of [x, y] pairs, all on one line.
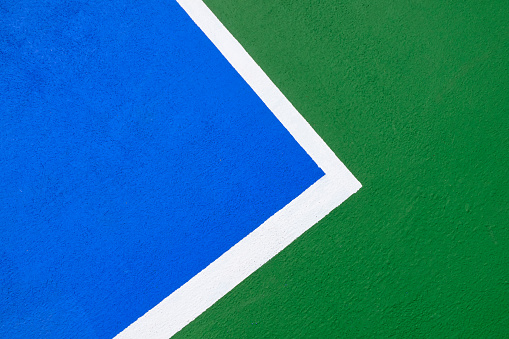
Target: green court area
{"points": [[413, 97]]}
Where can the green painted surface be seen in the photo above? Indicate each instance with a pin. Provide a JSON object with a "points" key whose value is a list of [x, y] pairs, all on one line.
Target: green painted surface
{"points": [[413, 96]]}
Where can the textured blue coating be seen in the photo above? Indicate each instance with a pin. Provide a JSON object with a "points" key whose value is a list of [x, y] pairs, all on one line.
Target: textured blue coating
{"points": [[131, 156]]}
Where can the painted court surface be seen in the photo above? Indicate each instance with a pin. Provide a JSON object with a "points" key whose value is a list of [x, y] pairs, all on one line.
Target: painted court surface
{"points": [[412, 97]]}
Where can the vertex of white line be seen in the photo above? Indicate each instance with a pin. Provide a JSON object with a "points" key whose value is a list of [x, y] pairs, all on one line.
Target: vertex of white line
{"points": [[212, 283]]}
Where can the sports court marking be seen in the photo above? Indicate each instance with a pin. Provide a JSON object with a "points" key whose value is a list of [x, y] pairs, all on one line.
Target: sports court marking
{"points": [[231, 268]]}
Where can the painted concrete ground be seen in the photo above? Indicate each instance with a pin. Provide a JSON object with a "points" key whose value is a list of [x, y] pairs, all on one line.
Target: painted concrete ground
{"points": [[413, 98]]}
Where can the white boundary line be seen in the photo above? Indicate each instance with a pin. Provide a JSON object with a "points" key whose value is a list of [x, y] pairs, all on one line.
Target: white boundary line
{"points": [[231, 268]]}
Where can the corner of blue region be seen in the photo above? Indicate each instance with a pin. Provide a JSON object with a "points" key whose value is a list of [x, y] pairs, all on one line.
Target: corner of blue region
{"points": [[132, 155]]}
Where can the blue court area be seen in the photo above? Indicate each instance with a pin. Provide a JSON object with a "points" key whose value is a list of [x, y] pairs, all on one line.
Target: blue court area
{"points": [[132, 155]]}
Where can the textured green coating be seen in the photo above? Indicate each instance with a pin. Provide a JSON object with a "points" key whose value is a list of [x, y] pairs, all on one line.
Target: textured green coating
{"points": [[413, 96]]}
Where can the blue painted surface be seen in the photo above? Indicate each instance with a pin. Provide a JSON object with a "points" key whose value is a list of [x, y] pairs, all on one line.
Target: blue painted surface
{"points": [[131, 156]]}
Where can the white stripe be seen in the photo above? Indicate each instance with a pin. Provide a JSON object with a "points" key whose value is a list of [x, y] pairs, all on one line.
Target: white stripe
{"points": [[221, 276]]}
